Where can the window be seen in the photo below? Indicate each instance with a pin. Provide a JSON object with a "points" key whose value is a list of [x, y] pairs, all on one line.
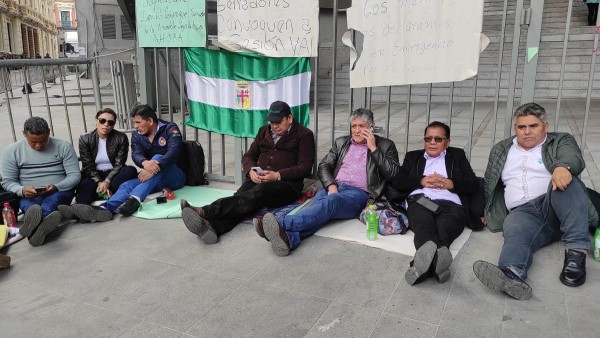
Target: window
{"points": [[108, 27], [126, 33], [65, 19]]}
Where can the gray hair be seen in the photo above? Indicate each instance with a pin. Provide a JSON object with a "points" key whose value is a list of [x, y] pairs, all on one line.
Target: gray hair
{"points": [[363, 113], [36, 126], [532, 109]]}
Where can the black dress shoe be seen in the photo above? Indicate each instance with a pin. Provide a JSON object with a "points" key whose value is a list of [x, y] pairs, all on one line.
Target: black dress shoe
{"points": [[573, 272], [129, 207], [501, 279]]}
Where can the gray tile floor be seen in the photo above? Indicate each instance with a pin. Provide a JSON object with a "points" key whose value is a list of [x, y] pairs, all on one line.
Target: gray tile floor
{"points": [[142, 278]]}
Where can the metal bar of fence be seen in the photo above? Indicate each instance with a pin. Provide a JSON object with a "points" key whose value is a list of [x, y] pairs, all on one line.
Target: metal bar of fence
{"points": [[181, 90], [472, 117], [333, 69], [407, 119], [589, 92], [156, 76], [513, 69], [388, 106], [169, 84], [26, 89], [428, 109], [499, 72], [47, 103], [10, 116], [562, 64], [80, 99], [62, 88], [316, 112], [450, 104], [96, 84], [223, 154], [45, 62]]}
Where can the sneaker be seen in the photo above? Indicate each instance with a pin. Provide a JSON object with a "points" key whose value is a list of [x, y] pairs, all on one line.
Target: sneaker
{"points": [[259, 227], [421, 263], [65, 211], [276, 235], [31, 220], [49, 224], [503, 280], [443, 259], [199, 226], [129, 207], [91, 213]]}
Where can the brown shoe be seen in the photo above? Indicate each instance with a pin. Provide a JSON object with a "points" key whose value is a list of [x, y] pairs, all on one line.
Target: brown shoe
{"points": [[199, 226], [184, 204], [258, 226], [4, 261], [276, 235]]}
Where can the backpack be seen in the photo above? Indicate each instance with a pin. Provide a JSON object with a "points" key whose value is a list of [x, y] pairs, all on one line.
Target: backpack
{"points": [[29, 89], [192, 163]]}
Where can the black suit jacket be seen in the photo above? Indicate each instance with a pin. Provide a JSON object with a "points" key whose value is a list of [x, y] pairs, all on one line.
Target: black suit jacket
{"points": [[458, 169]]}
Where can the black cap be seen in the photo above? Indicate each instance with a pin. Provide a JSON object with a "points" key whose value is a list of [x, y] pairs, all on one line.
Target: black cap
{"points": [[278, 111]]}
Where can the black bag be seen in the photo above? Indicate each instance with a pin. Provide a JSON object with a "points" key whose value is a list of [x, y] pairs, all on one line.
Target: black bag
{"points": [[29, 89], [192, 162], [11, 198]]}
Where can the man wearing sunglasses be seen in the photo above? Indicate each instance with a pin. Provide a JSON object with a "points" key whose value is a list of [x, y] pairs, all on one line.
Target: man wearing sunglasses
{"points": [[533, 195], [436, 183], [43, 171], [156, 145]]}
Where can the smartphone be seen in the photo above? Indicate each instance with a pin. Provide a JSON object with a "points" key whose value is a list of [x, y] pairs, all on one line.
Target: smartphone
{"points": [[377, 130], [258, 170], [161, 200], [429, 204], [40, 189]]}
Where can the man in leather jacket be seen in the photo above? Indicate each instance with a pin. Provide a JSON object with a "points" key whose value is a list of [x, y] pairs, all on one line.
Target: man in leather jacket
{"points": [[355, 170], [155, 147]]}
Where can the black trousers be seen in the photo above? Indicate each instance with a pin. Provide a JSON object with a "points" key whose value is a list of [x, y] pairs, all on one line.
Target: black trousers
{"points": [[86, 191], [592, 14], [225, 213], [442, 228]]}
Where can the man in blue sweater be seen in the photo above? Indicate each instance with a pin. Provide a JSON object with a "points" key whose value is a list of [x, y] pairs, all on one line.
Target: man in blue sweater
{"points": [[155, 147], [43, 171]]}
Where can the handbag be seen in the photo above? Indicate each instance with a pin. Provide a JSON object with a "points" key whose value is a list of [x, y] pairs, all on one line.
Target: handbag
{"points": [[390, 221]]}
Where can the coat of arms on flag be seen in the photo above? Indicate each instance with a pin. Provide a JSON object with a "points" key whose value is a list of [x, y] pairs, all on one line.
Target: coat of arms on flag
{"points": [[242, 95], [230, 93]]}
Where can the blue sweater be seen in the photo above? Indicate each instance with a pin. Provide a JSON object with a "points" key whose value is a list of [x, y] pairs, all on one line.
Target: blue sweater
{"points": [[23, 166]]}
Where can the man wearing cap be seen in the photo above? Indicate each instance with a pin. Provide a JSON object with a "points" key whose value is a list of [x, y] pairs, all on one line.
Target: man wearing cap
{"points": [[285, 151]]}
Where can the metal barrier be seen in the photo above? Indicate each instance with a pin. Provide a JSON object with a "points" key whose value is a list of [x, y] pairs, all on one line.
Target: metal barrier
{"points": [[48, 73], [124, 85]]}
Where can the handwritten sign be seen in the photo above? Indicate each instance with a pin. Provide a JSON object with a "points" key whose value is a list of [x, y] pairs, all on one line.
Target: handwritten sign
{"points": [[171, 23], [276, 28], [414, 41]]}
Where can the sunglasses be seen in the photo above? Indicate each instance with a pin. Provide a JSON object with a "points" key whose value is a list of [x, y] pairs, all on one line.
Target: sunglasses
{"points": [[110, 122], [437, 139]]}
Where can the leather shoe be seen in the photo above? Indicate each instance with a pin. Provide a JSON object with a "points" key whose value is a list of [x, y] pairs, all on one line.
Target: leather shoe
{"points": [[501, 279], [184, 204], [129, 207], [199, 226], [259, 227], [276, 235], [573, 272]]}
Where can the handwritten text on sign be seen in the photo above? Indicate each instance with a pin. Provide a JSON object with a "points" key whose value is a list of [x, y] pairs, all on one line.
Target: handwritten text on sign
{"points": [[415, 41], [170, 23], [276, 28]]}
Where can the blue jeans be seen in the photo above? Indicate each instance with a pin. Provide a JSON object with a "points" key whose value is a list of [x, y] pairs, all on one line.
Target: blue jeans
{"points": [[48, 203], [346, 204], [171, 177], [553, 216]]}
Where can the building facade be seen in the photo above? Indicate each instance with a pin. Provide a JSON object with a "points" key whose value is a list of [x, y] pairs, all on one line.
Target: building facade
{"points": [[27, 28], [65, 16]]}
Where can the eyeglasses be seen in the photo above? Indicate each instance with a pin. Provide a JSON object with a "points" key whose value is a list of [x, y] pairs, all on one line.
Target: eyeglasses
{"points": [[110, 122], [437, 139]]}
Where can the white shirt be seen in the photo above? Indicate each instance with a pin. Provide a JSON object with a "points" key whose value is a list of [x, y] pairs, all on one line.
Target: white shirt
{"points": [[102, 161], [524, 175], [437, 165]]}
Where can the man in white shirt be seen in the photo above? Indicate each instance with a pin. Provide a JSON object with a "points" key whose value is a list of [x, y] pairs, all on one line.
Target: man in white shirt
{"points": [[534, 196]]}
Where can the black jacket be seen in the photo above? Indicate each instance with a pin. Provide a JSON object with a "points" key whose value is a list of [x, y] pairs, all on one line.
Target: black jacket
{"points": [[117, 147], [382, 164], [458, 169]]}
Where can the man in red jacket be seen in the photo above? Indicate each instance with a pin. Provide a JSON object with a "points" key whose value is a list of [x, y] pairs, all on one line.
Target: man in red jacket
{"points": [[284, 150]]}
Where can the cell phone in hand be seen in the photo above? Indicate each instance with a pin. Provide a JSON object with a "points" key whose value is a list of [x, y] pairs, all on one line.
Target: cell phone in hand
{"points": [[40, 189], [258, 170]]}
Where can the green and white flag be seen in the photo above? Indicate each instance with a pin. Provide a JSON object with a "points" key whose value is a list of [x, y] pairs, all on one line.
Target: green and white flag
{"points": [[230, 93]]}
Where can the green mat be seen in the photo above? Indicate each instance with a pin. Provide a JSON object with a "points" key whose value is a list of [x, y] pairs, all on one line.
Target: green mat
{"points": [[196, 196]]}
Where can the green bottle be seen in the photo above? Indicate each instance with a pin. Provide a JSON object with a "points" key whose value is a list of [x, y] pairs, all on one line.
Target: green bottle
{"points": [[372, 223], [597, 245]]}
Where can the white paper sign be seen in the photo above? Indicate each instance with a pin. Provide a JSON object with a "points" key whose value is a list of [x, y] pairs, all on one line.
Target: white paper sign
{"points": [[415, 41], [276, 28]]}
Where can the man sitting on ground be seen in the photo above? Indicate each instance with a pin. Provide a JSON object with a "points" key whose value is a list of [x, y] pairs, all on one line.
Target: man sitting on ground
{"points": [[43, 171], [155, 147], [534, 196], [284, 150], [356, 168]]}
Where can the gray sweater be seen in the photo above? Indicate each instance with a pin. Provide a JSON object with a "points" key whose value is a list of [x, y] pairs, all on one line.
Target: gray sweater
{"points": [[23, 166]]}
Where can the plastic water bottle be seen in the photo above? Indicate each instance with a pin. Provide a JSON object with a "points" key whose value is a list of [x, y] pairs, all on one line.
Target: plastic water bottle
{"points": [[8, 215], [372, 223], [597, 245]]}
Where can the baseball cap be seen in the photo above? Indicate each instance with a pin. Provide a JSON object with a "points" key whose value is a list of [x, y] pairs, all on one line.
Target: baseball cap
{"points": [[278, 111]]}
